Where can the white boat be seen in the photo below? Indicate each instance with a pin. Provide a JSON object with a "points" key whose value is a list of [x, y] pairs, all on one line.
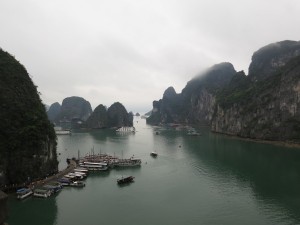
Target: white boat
{"points": [[193, 133], [60, 131], [70, 177], [78, 176], [77, 184], [126, 129], [81, 174], [94, 166], [154, 154], [82, 170], [43, 193], [23, 193]]}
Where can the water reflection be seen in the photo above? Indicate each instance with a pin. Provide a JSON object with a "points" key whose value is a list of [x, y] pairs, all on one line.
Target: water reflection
{"points": [[33, 211], [272, 172]]}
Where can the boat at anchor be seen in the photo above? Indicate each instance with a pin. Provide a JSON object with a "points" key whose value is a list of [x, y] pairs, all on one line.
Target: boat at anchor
{"points": [[126, 130], [125, 180], [23, 193]]}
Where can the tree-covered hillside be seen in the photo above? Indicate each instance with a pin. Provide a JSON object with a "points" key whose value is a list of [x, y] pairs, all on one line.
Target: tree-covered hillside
{"points": [[27, 139]]}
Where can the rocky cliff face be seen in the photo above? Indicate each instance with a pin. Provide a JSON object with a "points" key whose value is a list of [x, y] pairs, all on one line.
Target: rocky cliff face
{"points": [[270, 58], [262, 105], [74, 108], [27, 139], [98, 119], [118, 116], [195, 104], [269, 110], [115, 116]]}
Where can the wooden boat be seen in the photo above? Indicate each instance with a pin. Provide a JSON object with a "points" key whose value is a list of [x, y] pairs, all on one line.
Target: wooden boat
{"points": [[128, 162], [23, 193], [125, 180]]}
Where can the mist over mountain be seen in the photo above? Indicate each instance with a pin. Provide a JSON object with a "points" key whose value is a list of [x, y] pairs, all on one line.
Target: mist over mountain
{"points": [[263, 105]]}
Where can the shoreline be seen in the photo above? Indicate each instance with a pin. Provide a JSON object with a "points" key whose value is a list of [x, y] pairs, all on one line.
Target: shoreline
{"points": [[12, 189], [288, 144]]}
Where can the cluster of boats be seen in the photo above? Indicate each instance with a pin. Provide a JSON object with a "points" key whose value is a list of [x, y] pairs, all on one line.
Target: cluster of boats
{"points": [[126, 130], [103, 162], [73, 179], [100, 162]]}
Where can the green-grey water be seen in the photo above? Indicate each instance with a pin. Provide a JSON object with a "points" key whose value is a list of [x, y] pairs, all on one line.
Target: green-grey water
{"points": [[208, 179]]}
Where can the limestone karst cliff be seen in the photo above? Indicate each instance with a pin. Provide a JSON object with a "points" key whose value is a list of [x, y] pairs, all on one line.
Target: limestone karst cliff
{"points": [[262, 105], [98, 119], [195, 104], [72, 112], [76, 112], [27, 138], [115, 116], [267, 110], [118, 116]]}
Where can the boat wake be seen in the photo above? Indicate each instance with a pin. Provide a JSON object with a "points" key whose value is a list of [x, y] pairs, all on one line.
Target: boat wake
{"points": [[197, 169]]}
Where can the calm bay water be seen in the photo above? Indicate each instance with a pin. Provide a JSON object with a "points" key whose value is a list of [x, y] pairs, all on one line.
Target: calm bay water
{"points": [[209, 179]]}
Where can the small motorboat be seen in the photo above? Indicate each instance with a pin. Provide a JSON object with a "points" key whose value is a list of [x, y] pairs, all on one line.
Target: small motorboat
{"points": [[154, 154]]}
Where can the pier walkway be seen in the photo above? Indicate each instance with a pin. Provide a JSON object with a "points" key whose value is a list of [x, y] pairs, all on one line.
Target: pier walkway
{"points": [[60, 174]]}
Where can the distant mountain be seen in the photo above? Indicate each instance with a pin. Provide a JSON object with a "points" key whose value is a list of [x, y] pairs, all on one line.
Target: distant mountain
{"points": [[53, 111], [115, 116], [118, 116], [98, 119], [27, 139], [73, 111], [263, 105]]}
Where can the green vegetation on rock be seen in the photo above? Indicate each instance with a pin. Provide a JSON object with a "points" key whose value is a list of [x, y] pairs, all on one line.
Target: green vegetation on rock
{"points": [[27, 138]]}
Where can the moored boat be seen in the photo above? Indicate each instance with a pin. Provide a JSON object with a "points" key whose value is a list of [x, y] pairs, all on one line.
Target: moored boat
{"points": [[94, 166], [64, 181], [77, 184], [154, 154], [126, 129], [42, 192], [128, 162], [82, 170], [125, 180], [53, 188], [61, 131], [23, 193]]}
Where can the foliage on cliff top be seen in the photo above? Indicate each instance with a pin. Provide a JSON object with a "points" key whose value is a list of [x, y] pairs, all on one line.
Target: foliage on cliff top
{"points": [[241, 90], [26, 133]]}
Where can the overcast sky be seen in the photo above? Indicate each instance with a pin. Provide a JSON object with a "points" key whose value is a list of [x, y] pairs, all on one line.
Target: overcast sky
{"points": [[132, 50]]}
